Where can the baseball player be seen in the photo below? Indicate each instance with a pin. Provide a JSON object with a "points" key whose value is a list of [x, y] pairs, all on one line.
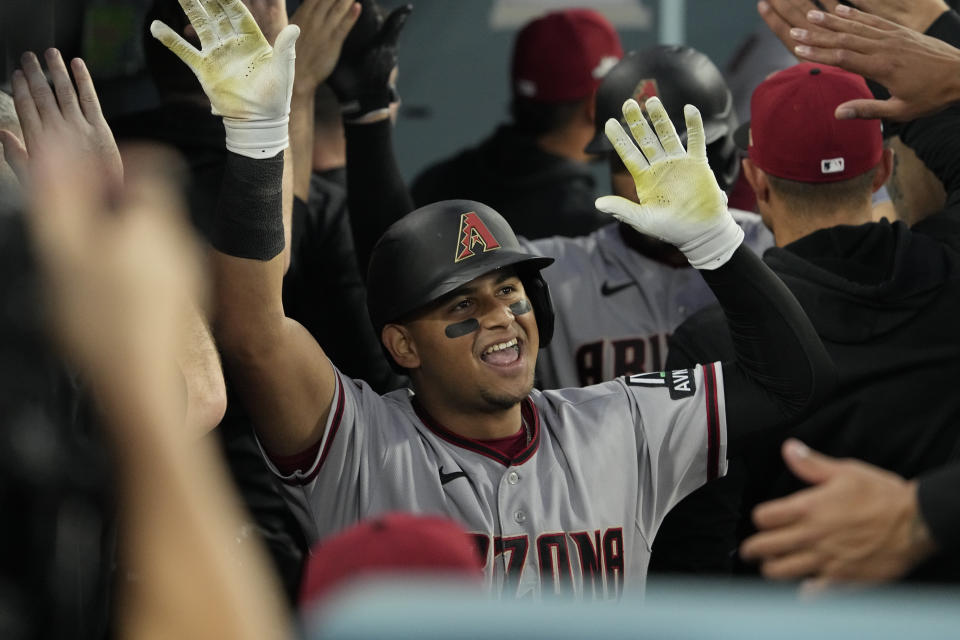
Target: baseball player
{"points": [[621, 294], [562, 490]]}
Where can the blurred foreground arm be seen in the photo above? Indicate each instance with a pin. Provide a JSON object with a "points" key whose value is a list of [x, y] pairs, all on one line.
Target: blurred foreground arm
{"points": [[115, 267], [857, 523], [72, 116]]}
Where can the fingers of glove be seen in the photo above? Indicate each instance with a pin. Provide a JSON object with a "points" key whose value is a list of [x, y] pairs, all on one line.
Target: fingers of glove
{"points": [[202, 23], [222, 27], [240, 17], [87, 94], [696, 139], [40, 93], [620, 208], [63, 86], [641, 131], [666, 132], [393, 25], [173, 41], [285, 46], [632, 159]]}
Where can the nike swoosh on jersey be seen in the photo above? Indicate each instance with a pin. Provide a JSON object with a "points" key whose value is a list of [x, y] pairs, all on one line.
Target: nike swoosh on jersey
{"points": [[448, 477], [608, 290]]}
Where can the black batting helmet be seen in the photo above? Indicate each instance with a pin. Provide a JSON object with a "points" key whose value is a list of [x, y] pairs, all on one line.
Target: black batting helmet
{"points": [[437, 248], [678, 75]]}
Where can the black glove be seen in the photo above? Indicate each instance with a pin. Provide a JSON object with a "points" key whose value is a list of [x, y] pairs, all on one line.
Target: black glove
{"points": [[361, 80]]}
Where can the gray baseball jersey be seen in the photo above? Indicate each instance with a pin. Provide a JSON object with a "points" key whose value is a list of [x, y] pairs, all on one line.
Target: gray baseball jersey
{"points": [[616, 307], [575, 512]]}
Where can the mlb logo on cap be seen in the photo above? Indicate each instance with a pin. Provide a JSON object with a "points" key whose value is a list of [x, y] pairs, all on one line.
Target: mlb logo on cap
{"points": [[793, 133], [833, 165]]}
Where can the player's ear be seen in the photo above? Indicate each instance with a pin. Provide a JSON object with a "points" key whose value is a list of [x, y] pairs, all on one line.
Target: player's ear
{"points": [[757, 180], [884, 169], [399, 342]]}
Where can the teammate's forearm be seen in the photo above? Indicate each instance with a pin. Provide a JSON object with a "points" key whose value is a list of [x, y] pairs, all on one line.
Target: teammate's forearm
{"points": [[248, 236], [376, 193], [781, 368], [301, 143]]}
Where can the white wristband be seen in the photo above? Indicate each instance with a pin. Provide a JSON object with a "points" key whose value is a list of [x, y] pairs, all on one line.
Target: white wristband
{"points": [[714, 248], [257, 138]]}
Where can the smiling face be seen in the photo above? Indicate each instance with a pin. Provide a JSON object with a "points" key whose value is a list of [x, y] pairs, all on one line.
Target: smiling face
{"points": [[475, 349]]}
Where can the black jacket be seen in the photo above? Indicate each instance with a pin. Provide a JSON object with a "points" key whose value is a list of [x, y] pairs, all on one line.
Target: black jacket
{"points": [[886, 302], [540, 194]]}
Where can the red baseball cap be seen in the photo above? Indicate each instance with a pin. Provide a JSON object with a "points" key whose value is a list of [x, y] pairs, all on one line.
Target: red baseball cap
{"points": [[793, 133], [386, 546], [564, 55]]}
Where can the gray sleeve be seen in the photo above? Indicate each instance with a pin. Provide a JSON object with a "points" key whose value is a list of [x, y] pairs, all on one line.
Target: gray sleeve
{"points": [[327, 493], [681, 431]]}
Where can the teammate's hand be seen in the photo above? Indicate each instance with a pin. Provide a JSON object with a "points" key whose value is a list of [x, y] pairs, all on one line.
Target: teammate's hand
{"points": [[783, 15], [857, 523], [679, 200], [921, 73], [912, 14], [118, 266], [64, 115], [325, 25], [365, 82], [247, 81], [270, 16]]}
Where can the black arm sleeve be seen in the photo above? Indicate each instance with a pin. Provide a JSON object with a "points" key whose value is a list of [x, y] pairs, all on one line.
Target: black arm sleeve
{"points": [[249, 219], [376, 194], [946, 28], [781, 369], [937, 498]]}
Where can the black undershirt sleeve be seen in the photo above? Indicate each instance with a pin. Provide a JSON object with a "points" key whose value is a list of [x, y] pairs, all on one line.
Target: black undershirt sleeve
{"points": [[946, 28], [781, 370], [937, 498], [376, 193]]}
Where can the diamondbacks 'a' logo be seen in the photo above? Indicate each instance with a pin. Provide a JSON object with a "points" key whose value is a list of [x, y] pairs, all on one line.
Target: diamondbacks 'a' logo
{"points": [[473, 232], [646, 88]]}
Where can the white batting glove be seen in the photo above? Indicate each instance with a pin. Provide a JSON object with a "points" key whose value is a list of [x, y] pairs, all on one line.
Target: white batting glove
{"points": [[680, 200], [248, 82]]}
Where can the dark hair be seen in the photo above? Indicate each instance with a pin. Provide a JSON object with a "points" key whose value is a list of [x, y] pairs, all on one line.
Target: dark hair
{"points": [[537, 118], [809, 198]]}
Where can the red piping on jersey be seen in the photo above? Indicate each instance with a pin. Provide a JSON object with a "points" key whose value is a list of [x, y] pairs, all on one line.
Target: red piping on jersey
{"points": [[713, 422], [289, 464], [529, 412]]}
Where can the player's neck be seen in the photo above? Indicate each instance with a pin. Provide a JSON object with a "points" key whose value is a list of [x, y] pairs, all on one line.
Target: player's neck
{"points": [[474, 424]]}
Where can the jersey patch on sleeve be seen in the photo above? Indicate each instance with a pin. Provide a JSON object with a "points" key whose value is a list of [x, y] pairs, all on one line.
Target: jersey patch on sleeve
{"points": [[680, 382]]}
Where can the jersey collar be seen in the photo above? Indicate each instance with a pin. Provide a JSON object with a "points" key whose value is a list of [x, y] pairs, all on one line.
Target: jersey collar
{"points": [[530, 414]]}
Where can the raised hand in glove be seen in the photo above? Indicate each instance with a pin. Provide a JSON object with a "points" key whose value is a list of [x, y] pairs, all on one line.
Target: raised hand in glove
{"points": [[679, 200], [248, 82], [363, 79]]}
